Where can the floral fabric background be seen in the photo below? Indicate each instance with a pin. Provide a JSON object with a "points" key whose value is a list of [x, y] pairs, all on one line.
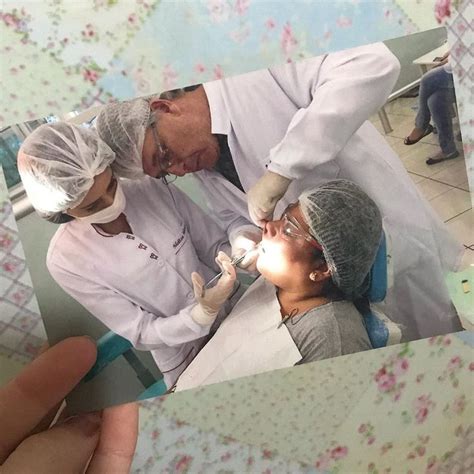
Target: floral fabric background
{"points": [[70, 55], [407, 406]]}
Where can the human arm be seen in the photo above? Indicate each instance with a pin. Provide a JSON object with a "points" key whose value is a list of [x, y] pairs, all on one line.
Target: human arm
{"points": [[26, 403], [335, 96], [145, 330], [209, 238]]}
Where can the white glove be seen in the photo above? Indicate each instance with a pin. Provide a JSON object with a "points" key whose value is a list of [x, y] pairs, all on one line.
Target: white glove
{"points": [[243, 241], [210, 300], [264, 195]]}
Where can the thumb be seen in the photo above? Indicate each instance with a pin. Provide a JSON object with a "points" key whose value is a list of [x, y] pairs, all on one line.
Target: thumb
{"points": [[198, 285]]}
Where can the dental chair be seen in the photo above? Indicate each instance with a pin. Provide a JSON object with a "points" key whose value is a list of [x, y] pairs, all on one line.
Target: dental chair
{"points": [[380, 329], [109, 347], [382, 332]]}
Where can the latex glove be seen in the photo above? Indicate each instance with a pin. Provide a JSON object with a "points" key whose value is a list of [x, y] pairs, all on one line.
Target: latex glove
{"points": [[264, 195], [243, 241], [210, 300]]}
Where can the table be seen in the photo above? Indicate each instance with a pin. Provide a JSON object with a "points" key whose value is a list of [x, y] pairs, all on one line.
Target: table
{"points": [[426, 61]]}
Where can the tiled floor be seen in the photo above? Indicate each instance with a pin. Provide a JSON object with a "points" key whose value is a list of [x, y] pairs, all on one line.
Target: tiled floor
{"points": [[445, 184]]}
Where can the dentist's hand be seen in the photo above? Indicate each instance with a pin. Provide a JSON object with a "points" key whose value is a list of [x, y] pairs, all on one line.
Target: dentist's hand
{"points": [[94, 443], [264, 195], [211, 300], [244, 240]]}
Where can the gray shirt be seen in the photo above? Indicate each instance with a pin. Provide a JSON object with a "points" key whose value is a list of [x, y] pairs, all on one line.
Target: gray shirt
{"points": [[330, 330]]}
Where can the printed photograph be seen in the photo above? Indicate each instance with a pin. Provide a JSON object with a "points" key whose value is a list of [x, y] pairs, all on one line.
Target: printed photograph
{"points": [[280, 217]]}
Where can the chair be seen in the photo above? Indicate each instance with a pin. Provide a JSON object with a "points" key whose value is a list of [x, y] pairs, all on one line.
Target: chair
{"points": [[380, 329], [109, 347]]}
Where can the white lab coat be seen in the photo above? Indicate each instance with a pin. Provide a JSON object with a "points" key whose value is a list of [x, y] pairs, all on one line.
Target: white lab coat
{"points": [[140, 285], [308, 122]]}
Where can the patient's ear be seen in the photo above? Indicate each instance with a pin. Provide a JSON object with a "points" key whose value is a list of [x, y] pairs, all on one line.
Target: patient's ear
{"points": [[164, 106], [321, 273]]}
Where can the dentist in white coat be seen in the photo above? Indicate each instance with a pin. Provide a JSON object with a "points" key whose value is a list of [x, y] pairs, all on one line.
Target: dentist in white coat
{"points": [[256, 141], [127, 249]]}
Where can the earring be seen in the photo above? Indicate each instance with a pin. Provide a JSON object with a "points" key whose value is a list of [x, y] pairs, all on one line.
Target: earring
{"points": [[312, 276]]}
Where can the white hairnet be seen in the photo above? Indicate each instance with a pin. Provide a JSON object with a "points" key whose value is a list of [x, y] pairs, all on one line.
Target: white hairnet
{"points": [[58, 163], [122, 125], [348, 225]]}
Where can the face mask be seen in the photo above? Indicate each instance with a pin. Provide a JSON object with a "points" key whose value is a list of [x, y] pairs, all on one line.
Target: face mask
{"points": [[110, 213]]}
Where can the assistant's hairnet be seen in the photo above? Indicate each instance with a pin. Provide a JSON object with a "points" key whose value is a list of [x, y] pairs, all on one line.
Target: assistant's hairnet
{"points": [[58, 162], [348, 225], [122, 125]]}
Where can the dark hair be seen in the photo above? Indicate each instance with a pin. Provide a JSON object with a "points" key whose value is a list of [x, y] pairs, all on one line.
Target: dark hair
{"points": [[330, 290], [57, 217]]}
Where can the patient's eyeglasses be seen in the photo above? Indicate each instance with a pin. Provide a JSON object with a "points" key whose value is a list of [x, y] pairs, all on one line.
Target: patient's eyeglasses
{"points": [[292, 228], [162, 155]]}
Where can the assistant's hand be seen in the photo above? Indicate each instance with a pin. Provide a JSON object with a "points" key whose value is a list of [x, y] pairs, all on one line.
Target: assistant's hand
{"points": [[264, 195], [211, 300], [244, 241], [27, 407]]}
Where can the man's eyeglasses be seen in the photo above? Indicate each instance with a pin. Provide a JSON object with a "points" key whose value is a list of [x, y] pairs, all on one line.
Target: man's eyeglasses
{"points": [[161, 155], [292, 228]]}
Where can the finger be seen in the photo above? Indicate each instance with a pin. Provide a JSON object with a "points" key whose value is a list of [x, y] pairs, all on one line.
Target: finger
{"points": [[40, 386], [229, 274], [64, 448], [198, 284], [118, 439]]}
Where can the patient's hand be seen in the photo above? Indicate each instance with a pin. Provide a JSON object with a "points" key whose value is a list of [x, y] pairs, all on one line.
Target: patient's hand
{"points": [[212, 299]]}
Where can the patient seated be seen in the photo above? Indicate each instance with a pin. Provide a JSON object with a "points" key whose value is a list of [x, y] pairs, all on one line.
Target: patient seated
{"points": [[314, 263]]}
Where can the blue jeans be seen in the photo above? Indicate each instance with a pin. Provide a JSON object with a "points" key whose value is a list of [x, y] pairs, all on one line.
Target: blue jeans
{"points": [[435, 100]]}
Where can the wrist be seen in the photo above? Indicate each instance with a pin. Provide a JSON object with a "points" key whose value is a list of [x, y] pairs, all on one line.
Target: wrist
{"points": [[202, 317]]}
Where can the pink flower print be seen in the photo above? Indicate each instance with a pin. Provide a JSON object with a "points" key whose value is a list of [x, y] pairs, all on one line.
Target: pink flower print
{"points": [[339, 452], [169, 77], [386, 447], [9, 19], [386, 382], [155, 434], [288, 41], [90, 76], [442, 10], [218, 72], [267, 454], [9, 267], [323, 462], [422, 406], [420, 450], [459, 404], [471, 366], [362, 428], [250, 461], [343, 22], [241, 6], [13, 71], [454, 363], [431, 340], [400, 366], [199, 68], [419, 378], [446, 341], [183, 464], [270, 24], [371, 440], [218, 10], [89, 32], [432, 466], [132, 18], [226, 457]]}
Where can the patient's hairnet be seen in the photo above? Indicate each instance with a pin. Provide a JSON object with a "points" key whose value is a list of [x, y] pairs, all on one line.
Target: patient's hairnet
{"points": [[348, 225], [122, 126], [57, 164]]}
